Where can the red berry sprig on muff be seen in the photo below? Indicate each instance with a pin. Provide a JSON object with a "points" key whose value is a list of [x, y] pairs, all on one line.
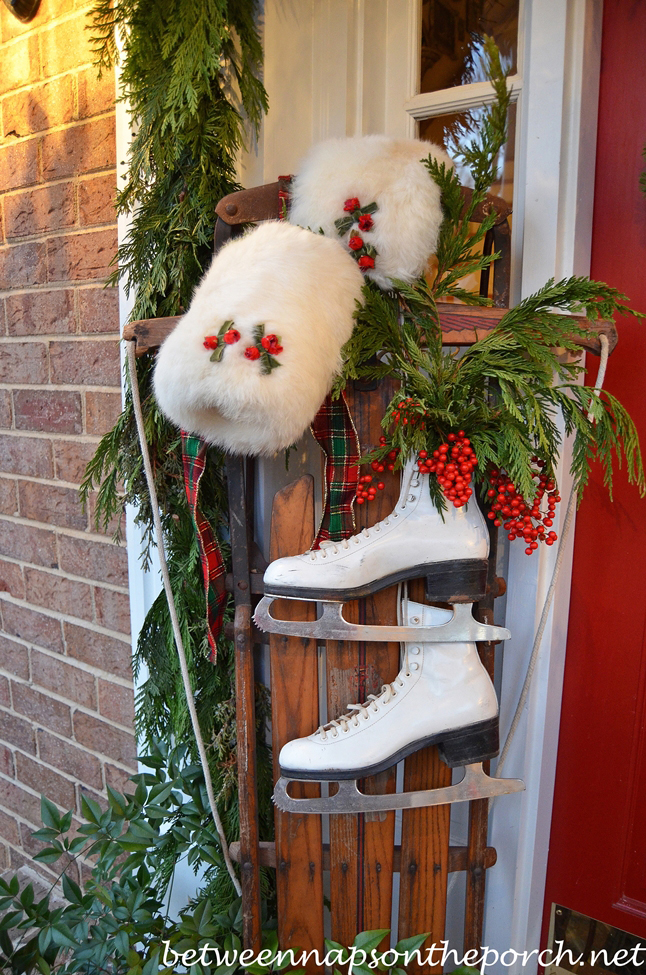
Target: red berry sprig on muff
{"points": [[523, 520], [453, 462]]}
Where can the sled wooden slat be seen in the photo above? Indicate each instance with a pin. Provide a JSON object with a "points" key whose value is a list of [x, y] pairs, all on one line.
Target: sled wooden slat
{"points": [[359, 670], [461, 325], [295, 712]]}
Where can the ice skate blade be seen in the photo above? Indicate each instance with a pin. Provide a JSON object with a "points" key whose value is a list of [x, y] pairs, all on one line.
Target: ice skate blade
{"points": [[331, 625], [476, 784]]}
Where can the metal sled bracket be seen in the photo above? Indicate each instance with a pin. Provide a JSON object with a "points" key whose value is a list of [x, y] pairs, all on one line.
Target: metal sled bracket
{"points": [[331, 625], [476, 784]]}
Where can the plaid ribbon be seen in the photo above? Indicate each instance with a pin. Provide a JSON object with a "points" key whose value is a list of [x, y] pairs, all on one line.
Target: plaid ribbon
{"points": [[213, 568], [334, 431]]}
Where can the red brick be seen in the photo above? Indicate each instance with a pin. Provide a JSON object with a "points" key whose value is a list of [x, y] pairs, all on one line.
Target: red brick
{"points": [[23, 362], [13, 797], [98, 650], [14, 658], [6, 763], [80, 149], [11, 579], [18, 164], [52, 505], [66, 46], [9, 828], [117, 703], [35, 545], [64, 679], [58, 593], [37, 211], [71, 457], [8, 497], [90, 363], [19, 860], [99, 309], [41, 312], [112, 609], [5, 693], [96, 95], [81, 257], [32, 627], [25, 455], [5, 858], [42, 709], [117, 778], [68, 758], [103, 738], [22, 265], [5, 409], [100, 561], [116, 525], [20, 63], [96, 200], [45, 781], [17, 731], [10, 26], [101, 411], [41, 107], [48, 411]]}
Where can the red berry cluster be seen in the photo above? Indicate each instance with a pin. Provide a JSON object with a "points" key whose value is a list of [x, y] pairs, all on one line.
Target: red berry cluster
{"points": [[524, 520], [366, 490], [405, 412], [454, 463]]}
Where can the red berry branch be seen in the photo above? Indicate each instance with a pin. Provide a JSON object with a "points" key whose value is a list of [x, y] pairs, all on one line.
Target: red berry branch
{"points": [[454, 463], [366, 490], [524, 520]]}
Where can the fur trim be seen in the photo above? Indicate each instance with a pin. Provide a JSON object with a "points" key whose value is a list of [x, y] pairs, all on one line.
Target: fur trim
{"points": [[381, 170], [303, 288]]}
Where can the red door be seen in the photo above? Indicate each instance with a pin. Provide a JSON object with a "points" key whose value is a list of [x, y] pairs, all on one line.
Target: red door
{"points": [[597, 856]]}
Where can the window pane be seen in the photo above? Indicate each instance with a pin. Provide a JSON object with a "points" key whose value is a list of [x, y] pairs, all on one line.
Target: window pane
{"points": [[452, 32], [449, 130]]}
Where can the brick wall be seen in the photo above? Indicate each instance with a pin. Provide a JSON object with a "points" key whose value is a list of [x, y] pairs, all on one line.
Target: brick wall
{"points": [[66, 698]]}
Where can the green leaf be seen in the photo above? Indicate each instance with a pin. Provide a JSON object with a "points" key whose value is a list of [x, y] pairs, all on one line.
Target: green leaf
{"points": [[367, 940], [49, 814]]}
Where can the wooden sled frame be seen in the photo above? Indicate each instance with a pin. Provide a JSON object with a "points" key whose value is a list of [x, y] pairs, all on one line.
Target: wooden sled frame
{"points": [[361, 855]]}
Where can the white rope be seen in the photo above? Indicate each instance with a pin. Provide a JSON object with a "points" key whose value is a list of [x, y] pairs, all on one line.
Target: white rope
{"points": [[567, 523], [136, 402]]}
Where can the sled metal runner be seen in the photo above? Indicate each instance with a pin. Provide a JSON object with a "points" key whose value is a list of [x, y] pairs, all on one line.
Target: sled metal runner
{"points": [[475, 784], [332, 625]]}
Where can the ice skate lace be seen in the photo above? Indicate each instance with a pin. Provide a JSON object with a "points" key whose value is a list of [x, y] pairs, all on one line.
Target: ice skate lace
{"points": [[358, 712], [334, 547]]}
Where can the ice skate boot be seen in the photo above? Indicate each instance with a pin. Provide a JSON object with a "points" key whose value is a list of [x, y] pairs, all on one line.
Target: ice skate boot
{"points": [[442, 696], [450, 549]]}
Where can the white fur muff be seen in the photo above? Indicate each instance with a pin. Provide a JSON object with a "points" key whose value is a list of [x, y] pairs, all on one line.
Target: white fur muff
{"points": [[375, 169], [303, 288]]}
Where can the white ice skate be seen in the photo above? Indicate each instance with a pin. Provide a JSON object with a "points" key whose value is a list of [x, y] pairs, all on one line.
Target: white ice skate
{"points": [[442, 695]]}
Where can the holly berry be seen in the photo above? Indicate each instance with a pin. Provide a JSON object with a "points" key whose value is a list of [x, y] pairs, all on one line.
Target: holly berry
{"points": [[366, 490], [524, 520], [233, 335], [211, 342], [355, 243], [251, 353], [351, 205], [453, 477], [365, 222]]}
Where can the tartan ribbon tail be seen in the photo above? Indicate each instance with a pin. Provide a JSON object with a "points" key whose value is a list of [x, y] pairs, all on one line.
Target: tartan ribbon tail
{"points": [[335, 434], [213, 568]]}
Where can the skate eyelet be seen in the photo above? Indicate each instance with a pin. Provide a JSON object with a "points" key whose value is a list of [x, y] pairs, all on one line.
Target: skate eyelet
{"points": [[414, 665], [414, 620], [414, 650]]}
